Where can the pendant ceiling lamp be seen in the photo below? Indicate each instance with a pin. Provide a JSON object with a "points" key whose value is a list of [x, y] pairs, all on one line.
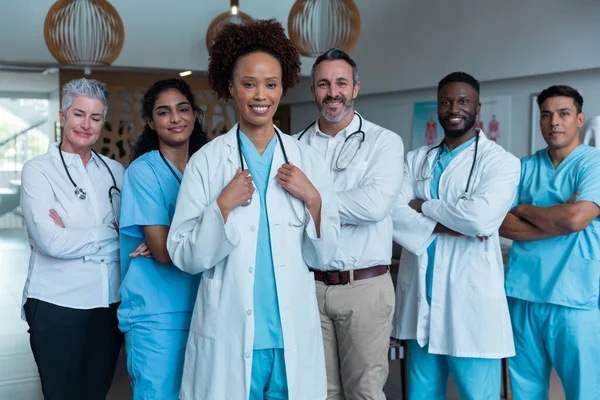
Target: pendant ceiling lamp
{"points": [[84, 32], [315, 26], [233, 15]]}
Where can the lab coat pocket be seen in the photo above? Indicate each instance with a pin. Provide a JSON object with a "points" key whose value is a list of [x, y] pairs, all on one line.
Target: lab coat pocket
{"points": [[485, 278], [583, 281], [206, 310]]}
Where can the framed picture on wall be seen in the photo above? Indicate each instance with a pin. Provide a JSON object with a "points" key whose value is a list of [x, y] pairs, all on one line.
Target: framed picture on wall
{"points": [[537, 140]]}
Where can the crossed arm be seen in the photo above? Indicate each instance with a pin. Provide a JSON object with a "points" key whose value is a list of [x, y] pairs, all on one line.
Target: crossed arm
{"points": [[416, 204], [527, 222]]}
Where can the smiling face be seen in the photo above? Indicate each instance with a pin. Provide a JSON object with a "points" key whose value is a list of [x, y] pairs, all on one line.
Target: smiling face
{"points": [[334, 89], [458, 107], [172, 118], [256, 88], [560, 122], [82, 124]]}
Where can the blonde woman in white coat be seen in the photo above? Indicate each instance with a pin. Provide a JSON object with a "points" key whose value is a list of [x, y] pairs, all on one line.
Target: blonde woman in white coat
{"points": [[255, 210]]}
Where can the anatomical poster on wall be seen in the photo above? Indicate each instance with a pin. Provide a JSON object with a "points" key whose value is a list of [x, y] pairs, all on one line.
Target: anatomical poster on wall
{"points": [[493, 119]]}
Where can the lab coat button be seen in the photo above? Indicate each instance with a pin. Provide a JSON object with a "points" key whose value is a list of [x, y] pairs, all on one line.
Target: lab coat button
{"points": [[247, 354], [425, 317], [249, 312], [250, 269], [252, 228]]}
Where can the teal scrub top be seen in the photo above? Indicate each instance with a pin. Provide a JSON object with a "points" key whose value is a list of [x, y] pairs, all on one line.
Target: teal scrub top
{"points": [[268, 333], [445, 156], [564, 270], [158, 295]]}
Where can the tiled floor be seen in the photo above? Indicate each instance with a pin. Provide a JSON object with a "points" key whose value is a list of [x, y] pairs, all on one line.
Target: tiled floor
{"points": [[18, 373]]}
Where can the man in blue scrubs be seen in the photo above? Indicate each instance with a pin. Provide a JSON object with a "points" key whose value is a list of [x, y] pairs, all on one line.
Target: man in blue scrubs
{"points": [[553, 275], [268, 363]]}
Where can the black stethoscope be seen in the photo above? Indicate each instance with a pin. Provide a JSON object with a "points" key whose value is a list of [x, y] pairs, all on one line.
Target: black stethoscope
{"points": [[239, 142], [356, 133], [287, 161], [81, 194], [422, 178], [170, 168]]}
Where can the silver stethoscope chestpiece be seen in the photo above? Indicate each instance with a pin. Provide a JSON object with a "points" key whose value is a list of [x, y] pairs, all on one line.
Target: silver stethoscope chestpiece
{"points": [[247, 202], [80, 193]]}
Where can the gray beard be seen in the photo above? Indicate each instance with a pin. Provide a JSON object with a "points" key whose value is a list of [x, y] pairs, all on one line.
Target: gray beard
{"points": [[343, 114]]}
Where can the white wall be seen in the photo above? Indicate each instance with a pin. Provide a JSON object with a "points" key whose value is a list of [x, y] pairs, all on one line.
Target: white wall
{"points": [[395, 110]]}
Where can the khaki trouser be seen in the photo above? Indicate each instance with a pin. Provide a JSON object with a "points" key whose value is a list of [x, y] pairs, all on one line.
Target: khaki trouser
{"points": [[356, 320]]}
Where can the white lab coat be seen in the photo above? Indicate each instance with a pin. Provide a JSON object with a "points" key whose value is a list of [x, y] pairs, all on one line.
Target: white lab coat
{"points": [[218, 360], [469, 313]]}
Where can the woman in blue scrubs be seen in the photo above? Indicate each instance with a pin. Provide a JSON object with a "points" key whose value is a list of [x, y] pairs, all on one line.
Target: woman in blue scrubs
{"points": [[157, 298]]}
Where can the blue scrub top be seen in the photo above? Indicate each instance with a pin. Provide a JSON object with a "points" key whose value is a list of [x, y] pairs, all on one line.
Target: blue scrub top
{"points": [[267, 322], [445, 156], [564, 270], [159, 295]]}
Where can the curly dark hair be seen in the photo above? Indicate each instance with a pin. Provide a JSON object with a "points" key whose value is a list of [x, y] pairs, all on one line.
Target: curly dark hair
{"points": [[237, 40], [148, 140]]}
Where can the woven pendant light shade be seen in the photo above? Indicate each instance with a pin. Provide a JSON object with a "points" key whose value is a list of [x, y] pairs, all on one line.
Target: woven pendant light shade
{"points": [[233, 15], [315, 26], [84, 32]]}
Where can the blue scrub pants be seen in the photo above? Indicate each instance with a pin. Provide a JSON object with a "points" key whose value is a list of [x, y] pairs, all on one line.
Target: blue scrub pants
{"points": [[548, 334], [269, 379], [155, 361], [475, 378]]}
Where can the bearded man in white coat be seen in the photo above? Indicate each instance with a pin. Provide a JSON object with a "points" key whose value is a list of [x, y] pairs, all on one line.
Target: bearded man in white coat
{"points": [[451, 305]]}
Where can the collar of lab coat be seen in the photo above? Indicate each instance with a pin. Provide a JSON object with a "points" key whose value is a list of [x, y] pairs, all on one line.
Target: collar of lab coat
{"points": [[71, 160], [483, 141], [351, 128], [230, 139]]}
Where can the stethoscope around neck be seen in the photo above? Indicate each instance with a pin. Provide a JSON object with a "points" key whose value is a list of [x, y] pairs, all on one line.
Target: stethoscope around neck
{"points": [[81, 194], [358, 132], [299, 222], [422, 178]]}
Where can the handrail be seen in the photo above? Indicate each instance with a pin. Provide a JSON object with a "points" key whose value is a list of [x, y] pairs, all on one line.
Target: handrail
{"points": [[16, 135]]}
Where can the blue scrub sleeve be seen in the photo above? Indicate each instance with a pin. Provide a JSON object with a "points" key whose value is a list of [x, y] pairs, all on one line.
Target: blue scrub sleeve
{"points": [[143, 202], [589, 180]]}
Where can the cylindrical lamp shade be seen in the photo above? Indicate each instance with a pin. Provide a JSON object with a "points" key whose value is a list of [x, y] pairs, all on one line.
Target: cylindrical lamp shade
{"points": [[315, 26], [221, 20], [84, 32]]}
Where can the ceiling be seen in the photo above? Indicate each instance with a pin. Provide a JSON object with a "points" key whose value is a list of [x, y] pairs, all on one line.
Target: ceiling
{"points": [[404, 44]]}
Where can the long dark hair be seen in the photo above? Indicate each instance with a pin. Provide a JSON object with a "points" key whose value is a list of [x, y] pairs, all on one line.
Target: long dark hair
{"points": [[148, 140]]}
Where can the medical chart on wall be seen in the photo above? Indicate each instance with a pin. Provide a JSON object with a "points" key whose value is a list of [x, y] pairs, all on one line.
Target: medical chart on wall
{"points": [[494, 120]]}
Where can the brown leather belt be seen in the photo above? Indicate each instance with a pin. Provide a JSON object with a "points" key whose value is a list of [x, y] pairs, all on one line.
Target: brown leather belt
{"points": [[343, 277]]}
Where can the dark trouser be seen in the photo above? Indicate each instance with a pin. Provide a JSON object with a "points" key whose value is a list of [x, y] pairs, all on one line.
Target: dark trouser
{"points": [[75, 350]]}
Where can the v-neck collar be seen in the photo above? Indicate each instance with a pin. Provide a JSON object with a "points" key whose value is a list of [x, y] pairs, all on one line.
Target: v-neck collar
{"points": [[573, 154], [250, 151], [459, 149]]}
